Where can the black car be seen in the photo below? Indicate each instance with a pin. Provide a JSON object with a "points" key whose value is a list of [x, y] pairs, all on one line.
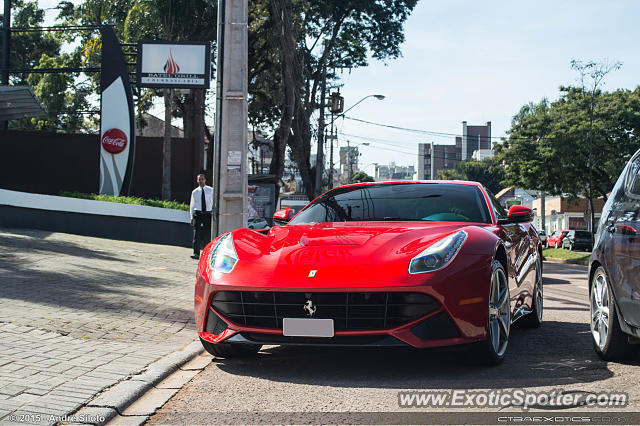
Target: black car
{"points": [[614, 272], [577, 240]]}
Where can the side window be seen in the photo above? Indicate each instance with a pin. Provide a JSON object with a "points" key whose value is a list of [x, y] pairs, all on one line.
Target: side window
{"points": [[497, 208], [632, 184]]}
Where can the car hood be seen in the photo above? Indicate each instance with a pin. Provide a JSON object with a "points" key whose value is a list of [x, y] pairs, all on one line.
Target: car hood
{"points": [[357, 250]]}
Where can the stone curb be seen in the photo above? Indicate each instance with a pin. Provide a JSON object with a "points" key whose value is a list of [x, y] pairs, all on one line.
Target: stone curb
{"points": [[117, 398], [567, 261]]}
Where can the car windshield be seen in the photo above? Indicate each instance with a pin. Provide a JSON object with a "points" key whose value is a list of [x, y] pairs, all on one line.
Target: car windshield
{"points": [[583, 234], [402, 201]]}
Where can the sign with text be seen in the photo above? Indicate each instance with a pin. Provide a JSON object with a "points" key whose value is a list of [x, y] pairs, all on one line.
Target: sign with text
{"points": [[165, 64]]}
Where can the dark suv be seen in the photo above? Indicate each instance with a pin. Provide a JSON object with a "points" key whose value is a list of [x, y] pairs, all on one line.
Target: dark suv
{"points": [[577, 240], [614, 272]]}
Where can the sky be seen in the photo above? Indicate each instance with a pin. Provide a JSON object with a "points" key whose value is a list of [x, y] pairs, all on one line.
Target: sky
{"points": [[480, 61]]}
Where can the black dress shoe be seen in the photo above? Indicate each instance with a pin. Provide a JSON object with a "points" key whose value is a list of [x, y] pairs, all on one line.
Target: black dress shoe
{"points": [[195, 256]]}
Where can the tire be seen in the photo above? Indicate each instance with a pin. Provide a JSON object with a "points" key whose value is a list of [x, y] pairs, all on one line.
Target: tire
{"points": [[491, 351], [534, 318], [230, 350], [609, 341]]}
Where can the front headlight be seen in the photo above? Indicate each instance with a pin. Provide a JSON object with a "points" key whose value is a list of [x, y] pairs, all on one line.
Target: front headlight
{"points": [[223, 256], [438, 255]]}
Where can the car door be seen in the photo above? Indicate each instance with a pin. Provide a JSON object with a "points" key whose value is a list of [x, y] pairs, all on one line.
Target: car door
{"points": [[519, 255], [627, 240]]}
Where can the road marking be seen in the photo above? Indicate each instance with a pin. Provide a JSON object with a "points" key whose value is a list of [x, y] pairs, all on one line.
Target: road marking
{"points": [[583, 286]]}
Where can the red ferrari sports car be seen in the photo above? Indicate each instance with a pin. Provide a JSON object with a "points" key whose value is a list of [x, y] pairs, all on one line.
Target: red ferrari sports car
{"points": [[421, 263]]}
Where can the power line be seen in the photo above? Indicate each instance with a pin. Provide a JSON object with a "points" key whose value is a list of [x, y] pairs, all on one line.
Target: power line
{"points": [[420, 131]]}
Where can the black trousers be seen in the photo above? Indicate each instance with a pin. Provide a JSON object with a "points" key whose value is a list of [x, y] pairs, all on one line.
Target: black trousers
{"points": [[201, 230]]}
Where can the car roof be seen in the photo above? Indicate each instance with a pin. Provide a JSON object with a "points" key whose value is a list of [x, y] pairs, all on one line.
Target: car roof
{"points": [[454, 182]]}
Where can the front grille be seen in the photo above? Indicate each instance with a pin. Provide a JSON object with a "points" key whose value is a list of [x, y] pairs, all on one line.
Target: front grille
{"points": [[350, 311]]}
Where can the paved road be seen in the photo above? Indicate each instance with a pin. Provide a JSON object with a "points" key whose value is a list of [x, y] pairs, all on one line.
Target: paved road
{"points": [[79, 314], [558, 355]]}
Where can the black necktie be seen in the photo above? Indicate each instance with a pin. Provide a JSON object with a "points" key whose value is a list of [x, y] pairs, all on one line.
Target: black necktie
{"points": [[204, 202]]}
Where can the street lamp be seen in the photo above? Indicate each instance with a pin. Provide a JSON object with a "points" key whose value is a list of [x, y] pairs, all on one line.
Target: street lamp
{"points": [[333, 119], [378, 97]]}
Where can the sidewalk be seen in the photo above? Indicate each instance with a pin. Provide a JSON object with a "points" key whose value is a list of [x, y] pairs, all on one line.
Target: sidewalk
{"points": [[79, 314]]}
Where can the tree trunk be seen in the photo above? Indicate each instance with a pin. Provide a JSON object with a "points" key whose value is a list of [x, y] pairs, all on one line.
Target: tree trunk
{"points": [[289, 87], [166, 146]]}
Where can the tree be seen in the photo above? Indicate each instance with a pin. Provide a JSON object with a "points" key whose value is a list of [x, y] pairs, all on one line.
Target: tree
{"points": [[592, 74], [549, 144], [361, 177], [62, 95], [488, 172], [317, 36]]}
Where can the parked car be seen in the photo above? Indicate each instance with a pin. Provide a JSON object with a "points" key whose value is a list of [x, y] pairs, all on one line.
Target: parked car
{"points": [[414, 264], [577, 240], [555, 240], [257, 223], [543, 237], [614, 272]]}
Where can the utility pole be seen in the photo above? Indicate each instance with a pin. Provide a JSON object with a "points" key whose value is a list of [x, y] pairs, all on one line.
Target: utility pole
{"points": [[230, 154], [6, 46], [331, 138], [348, 162], [320, 149], [336, 106]]}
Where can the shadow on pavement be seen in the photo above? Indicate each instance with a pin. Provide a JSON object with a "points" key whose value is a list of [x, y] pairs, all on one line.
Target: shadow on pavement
{"points": [[60, 274], [553, 281], [37, 243], [529, 363]]}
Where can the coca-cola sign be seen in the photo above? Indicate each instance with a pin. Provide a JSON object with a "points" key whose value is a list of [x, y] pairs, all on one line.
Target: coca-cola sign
{"points": [[114, 141]]}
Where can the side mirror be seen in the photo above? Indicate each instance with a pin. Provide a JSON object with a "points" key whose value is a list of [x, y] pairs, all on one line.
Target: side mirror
{"points": [[518, 214], [282, 217]]}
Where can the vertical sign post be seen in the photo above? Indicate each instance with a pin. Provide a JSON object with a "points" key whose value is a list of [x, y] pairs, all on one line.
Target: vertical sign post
{"points": [[230, 161], [117, 124]]}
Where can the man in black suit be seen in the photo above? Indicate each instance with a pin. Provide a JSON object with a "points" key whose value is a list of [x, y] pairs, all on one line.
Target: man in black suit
{"points": [[200, 207]]}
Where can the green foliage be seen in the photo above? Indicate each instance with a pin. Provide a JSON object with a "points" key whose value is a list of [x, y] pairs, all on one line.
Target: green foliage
{"points": [[127, 200], [565, 254], [361, 177], [488, 172], [61, 95], [548, 145], [316, 37]]}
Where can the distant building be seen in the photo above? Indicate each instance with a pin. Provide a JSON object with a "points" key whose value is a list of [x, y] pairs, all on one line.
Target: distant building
{"points": [[393, 172], [348, 161], [152, 126], [511, 196], [475, 138], [433, 157], [475, 142], [567, 213], [482, 154]]}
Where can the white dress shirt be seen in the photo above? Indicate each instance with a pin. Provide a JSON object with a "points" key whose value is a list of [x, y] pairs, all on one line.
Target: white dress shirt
{"points": [[196, 199]]}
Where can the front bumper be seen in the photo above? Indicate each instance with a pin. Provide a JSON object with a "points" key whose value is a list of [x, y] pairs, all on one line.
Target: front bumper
{"points": [[460, 292]]}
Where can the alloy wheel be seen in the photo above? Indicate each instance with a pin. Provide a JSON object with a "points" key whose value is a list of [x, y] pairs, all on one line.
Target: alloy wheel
{"points": [[600, 310], [499, 312], [539, 291]]}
